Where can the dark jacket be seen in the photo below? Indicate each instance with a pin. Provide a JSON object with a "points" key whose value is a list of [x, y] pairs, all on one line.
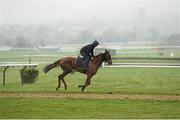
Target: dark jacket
{"points": [[88, 49]]}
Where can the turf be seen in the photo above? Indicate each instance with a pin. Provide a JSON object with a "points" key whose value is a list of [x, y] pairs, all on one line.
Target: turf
{"points": [[158, 81], [78, 108]]}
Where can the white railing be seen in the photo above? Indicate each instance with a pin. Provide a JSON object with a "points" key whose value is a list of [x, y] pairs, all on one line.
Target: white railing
{"points": [[143, 65]]}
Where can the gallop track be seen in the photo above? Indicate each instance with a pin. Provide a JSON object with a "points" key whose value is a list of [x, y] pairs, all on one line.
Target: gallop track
{"points": [[91, 96]]}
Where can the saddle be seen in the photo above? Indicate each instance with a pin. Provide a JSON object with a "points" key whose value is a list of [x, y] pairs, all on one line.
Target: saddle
{"points": [[80, 61]]}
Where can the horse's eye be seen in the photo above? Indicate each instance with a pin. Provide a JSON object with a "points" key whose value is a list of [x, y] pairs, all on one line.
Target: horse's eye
{"points": [[108, 56]]}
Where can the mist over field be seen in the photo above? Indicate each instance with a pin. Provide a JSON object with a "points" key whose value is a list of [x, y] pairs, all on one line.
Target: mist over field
{"points": [[32, 23]]}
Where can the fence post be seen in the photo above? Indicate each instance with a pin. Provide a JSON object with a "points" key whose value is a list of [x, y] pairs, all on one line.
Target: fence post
{"points": [[4, 75], [22, 82]]}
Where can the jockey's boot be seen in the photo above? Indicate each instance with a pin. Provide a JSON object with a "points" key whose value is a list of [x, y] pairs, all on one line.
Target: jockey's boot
{"points": [[85, 66]]}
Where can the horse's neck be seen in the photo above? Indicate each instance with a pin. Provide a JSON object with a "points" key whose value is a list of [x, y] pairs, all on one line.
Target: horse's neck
{"points": [[98, 60]]}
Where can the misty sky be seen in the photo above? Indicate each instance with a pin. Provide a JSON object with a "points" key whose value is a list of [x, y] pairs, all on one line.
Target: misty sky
{"points": [[48, 11]]}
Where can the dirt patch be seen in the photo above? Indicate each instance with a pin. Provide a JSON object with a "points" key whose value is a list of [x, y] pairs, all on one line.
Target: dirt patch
{"points": [[91, 96]]}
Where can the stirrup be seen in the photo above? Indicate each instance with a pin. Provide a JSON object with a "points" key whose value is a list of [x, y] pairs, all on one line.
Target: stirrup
{"points": [[85, 70]]}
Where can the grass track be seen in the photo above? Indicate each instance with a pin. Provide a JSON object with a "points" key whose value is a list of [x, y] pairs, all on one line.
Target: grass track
{"points": [[156, 81], [78, 108]]}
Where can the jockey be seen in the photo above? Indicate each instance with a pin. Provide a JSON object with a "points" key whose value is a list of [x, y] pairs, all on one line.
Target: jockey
{"points": [[87, 53]]}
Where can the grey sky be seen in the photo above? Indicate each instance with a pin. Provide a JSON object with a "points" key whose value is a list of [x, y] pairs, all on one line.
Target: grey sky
{"points": [[48, 11]]}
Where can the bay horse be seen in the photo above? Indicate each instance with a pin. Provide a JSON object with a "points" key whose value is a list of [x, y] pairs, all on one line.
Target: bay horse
{"points": [[68, 64]]}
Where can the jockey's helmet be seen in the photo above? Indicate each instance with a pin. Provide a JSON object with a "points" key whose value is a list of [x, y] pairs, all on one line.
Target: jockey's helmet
{"points": [[95, 43]]}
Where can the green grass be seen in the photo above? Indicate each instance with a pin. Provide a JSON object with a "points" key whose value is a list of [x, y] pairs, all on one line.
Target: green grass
{"points": [[21, 56], [117, 80], [156, 81], [12, 107]]}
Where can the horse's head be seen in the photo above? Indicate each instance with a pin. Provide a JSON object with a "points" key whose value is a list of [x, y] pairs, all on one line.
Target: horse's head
{"points": [[107, 57]]}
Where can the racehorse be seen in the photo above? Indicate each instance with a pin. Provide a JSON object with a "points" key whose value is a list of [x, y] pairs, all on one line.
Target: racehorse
{"points": [[68, 64]]}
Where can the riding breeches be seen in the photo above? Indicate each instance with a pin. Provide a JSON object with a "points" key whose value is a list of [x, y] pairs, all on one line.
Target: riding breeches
{"points": [[86, 59]]}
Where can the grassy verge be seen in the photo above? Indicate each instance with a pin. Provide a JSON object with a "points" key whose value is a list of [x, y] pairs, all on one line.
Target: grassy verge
{"points": [[78, 108]]}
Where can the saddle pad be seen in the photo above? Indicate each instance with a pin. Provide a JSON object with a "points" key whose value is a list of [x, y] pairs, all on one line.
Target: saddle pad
{"points": [[80, 61]]}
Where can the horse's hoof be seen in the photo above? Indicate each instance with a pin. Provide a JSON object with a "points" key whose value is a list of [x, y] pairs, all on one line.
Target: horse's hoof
{"points": [[79, 86], [57, 89], [82, 90]]}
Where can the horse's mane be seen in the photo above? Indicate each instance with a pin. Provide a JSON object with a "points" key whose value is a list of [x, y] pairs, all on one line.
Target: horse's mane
{"points": [[98, 55]]}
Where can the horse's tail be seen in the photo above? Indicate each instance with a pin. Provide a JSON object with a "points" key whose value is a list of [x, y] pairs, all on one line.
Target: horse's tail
{"points": [[51, 66]]}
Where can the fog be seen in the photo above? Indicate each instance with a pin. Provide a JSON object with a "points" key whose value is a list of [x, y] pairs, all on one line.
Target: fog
{"points": [[52, 22]]}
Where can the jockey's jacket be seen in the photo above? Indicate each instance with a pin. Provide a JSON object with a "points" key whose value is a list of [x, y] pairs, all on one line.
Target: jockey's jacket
{"points": [[88, 49]]}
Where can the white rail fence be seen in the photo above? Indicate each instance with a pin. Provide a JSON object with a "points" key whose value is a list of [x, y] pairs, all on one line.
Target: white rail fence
{"points": [[142, 65]]}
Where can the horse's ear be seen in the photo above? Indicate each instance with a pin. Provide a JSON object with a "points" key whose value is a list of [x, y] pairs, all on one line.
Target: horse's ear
{"points": [[106, 51]]}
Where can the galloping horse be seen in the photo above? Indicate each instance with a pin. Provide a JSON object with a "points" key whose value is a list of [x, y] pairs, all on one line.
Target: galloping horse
{"points": [[69, 63]]}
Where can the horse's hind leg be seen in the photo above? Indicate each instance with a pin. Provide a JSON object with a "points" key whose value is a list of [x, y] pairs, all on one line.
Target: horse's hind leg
{"points": [[65, 85], [59, 82], [61, 77]]}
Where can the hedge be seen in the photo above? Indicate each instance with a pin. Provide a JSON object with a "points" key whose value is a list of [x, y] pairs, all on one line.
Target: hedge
{"points": [[29, 76]]}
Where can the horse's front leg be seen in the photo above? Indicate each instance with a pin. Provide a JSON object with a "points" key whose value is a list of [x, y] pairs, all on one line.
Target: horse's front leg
{"points": [[87, 83]]}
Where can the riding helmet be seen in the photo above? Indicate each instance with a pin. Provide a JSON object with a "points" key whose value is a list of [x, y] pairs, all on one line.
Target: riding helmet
{"points": [[96, 42]]}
